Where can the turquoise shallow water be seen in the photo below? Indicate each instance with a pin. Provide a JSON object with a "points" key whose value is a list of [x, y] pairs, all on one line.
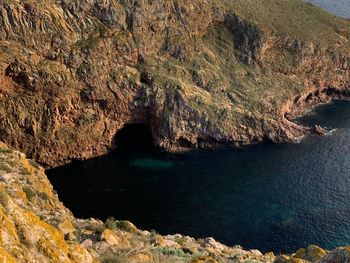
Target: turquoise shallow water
{"points": [[271, 197]]}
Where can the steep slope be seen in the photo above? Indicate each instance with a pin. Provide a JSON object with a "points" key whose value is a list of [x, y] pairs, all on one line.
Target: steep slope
{"points": [[201, 73]]}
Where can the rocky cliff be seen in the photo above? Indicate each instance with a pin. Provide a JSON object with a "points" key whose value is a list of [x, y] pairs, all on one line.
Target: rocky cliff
{"points": [[200, 73], [36, 227]]}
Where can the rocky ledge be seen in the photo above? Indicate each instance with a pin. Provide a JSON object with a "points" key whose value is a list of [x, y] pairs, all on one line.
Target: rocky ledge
{"points": [[36, 227], [199, 73]]}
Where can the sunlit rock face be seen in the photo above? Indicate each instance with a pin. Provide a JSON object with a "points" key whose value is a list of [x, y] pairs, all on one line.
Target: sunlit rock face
{"points": [[200, 74]]}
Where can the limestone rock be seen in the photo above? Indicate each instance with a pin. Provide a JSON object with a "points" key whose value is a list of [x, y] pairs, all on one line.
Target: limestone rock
{"points": [[199, 73], [312, 253], [319, 130], [87, 243], [109, 237], [339, 255]]}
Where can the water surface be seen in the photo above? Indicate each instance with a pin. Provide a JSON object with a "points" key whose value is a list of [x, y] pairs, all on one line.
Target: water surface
{"points": [[277, 197], [338, 7]]}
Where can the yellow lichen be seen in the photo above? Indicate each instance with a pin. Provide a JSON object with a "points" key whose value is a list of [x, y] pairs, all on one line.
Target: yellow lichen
{"points": [[204, 259], [6, 257], [8, 231], [78, 254], [66, 226]]}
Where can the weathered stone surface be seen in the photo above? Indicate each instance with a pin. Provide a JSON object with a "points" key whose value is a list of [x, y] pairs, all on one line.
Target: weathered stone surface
{"points": [[312, 253], [200, 73], [339, 255]]}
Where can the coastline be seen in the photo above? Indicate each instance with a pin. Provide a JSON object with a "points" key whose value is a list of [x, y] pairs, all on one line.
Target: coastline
{"points": [[37, 227]]}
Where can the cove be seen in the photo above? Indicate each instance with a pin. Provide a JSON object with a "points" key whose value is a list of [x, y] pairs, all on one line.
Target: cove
{"points": [[272, 197]]}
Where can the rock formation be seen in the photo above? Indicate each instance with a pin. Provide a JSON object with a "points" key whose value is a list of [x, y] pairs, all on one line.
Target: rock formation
{"points": [[36, 227], [200, 73]]}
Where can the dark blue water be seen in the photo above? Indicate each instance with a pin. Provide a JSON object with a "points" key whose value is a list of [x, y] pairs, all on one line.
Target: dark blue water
{"points": [[277, 197]]}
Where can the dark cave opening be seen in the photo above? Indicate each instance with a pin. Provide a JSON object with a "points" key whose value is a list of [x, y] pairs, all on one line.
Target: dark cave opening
{"points": [[134, 138]]}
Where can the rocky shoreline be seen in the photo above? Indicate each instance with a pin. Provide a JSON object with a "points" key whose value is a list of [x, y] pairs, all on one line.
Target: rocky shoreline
{"points": [[305, 103], [73, 73], [200, 73], [36, 227]]}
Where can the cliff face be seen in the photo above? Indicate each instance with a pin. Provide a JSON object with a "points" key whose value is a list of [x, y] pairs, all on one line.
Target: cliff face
{"points": [[36, 227], [74, 72]]}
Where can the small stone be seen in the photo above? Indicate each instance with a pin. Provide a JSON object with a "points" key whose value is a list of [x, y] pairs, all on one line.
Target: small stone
{"points": [[70, 236], [319, 130], [101, 246], [170, 243], [109, 237], [256, 252], [339, 255], [66, 226], [212, 243], [87, 243], [270, 255]]}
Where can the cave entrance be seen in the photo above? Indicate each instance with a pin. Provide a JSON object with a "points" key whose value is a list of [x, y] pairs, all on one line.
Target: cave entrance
{"points": [[134, 138]]}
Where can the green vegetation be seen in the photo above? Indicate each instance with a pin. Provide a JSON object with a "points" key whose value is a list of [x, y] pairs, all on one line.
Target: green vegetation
{"points": [[294, 18], [23, 170], [4, 150], [113, 224], [34, 164], [4, 167], [113, 257], [125, 226], [3, 198], [30, 193], [181, 240], [43, 195], [168, 251]]}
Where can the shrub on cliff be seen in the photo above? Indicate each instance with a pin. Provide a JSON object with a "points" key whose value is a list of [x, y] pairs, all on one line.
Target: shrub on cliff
{"points": [[111, 223], [122, 225]]}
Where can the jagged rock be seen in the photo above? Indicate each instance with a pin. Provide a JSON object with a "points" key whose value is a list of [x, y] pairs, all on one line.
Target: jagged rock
{"points": [[319, 130], [312, 253], [109, 237], [339, 255], [211, 243], [200, 74], [256, 252], [87, 243], [289, 259]]}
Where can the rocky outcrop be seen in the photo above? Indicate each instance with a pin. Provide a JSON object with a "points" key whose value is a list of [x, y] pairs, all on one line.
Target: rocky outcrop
{"points": [[201, 74], [36, 227]]}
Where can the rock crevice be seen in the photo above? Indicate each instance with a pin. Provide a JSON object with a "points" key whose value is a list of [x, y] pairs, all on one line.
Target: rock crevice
{"points": [[200, 74]]}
